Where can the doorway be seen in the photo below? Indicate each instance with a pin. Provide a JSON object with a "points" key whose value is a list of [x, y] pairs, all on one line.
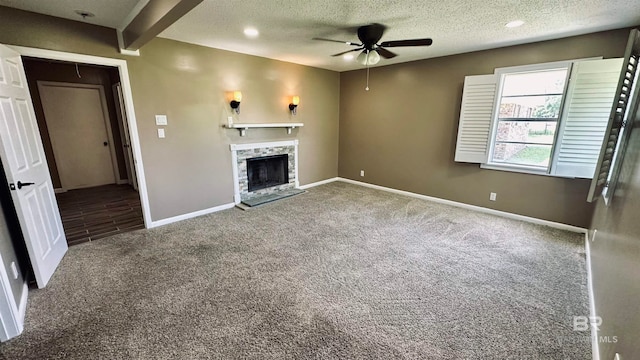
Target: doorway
{"points": [[29, 179], [81, 122], [78, 122]]}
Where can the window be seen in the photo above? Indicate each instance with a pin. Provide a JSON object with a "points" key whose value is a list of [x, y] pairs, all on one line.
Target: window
{"points": [[527, 119], [547, 119]]}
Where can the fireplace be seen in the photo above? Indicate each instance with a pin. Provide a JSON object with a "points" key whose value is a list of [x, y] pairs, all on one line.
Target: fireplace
{"points": [[270, 178], [267, 171]]}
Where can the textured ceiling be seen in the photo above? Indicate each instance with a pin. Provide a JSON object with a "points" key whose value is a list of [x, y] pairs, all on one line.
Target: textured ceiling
{"points": [[109, 13], [287, 26]]}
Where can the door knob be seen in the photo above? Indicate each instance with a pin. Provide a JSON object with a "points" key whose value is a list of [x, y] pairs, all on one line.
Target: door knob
{"points": [[20, 184]]}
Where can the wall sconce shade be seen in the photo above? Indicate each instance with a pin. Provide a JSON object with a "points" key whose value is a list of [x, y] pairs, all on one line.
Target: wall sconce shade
{"points": [[235, 102], [293, 106]]}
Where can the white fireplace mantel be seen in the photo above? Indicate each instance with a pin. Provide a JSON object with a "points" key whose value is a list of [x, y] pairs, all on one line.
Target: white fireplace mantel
{"points": [[242, 127]]}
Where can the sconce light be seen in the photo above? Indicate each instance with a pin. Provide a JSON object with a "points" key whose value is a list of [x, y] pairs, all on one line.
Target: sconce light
{"points": [[293, 106], [235, 102]]}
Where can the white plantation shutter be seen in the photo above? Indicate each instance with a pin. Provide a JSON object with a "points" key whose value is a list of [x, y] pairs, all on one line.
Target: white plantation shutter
{"points": [[474, 128], [588, 104], [621, 118]]}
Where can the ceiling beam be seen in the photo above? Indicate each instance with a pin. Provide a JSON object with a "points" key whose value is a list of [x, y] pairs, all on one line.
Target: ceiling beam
{"points": [[153, 18]]}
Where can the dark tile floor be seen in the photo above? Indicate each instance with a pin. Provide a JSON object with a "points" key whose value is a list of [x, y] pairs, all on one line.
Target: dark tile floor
{"points": [[93, 213]]}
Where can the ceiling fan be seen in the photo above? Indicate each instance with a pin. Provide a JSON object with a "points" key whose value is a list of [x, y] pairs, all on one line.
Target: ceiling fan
{"points": [[369, 36]]}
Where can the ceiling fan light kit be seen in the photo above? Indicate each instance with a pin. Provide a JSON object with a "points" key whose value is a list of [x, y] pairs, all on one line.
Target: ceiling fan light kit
{"points": [[367, 57]]}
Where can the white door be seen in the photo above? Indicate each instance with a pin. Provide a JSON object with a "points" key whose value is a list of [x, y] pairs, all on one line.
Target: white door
{"points": [[26, 169], [126, 137], [79, 129]]}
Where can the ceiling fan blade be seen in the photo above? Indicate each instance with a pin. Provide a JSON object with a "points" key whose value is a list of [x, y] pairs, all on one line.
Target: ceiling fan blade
{"points": [[413, 42], [338, 41], [348, 51], [385, 53]]}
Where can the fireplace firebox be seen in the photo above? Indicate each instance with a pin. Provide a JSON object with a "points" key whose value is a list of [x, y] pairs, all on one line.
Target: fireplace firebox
{"points": [[267, 171]]}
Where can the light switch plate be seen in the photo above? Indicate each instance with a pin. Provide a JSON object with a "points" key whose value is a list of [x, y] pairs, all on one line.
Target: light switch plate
{"points": [[161, 133], [161, 120]]}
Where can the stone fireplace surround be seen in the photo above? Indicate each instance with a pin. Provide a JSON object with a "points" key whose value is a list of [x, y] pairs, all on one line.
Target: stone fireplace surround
{"points": [[241, 152]]}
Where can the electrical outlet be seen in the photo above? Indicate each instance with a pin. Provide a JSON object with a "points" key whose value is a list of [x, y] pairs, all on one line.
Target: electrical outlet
{"points": [[361, 172], [492, 196], [14, 270], [161, 134]]}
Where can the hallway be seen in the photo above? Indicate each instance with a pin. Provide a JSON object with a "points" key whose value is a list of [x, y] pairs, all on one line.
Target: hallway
{"points": [[94, 213]]}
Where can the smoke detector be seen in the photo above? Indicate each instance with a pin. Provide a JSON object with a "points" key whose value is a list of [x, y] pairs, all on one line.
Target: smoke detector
{"points": [[85, 14]]}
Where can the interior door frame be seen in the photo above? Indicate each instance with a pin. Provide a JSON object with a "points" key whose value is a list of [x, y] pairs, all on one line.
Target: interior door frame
{"points": [[123, 124], [107, 123], [123, 70]]}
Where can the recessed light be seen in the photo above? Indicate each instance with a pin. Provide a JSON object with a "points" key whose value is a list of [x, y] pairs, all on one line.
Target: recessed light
{"points": [[347, 56], [251, 32], [514, 23]]}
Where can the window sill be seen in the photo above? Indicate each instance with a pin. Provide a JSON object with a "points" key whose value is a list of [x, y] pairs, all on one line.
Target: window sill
{"points": [[521, 169]]}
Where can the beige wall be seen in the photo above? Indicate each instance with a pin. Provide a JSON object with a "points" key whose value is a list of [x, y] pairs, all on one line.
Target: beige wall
{"points": [[615, 258], [10, 250], [8, 256], [403, 131], [190, 169]]}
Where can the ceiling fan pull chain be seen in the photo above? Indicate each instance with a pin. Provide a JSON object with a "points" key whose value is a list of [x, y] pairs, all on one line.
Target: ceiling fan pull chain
{"points": [[367, 88], [367, 62]]}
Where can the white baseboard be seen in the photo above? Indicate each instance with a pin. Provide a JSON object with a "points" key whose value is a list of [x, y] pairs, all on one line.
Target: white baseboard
{"points": [[122, 181], [471, 207], [221, 207], [318, 183], [505, 214], [190, 215], [395, 191], [59, 190], [595, 348]]}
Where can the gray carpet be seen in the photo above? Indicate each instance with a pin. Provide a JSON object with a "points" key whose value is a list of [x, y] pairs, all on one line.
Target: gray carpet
{"points": [[339, 272]]}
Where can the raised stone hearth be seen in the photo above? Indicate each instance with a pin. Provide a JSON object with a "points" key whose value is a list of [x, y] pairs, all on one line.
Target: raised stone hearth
{"points": [[242, 152]]}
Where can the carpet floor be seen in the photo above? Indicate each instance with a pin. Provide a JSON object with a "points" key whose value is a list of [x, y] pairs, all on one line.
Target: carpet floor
{"points": [[341, 272]]}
